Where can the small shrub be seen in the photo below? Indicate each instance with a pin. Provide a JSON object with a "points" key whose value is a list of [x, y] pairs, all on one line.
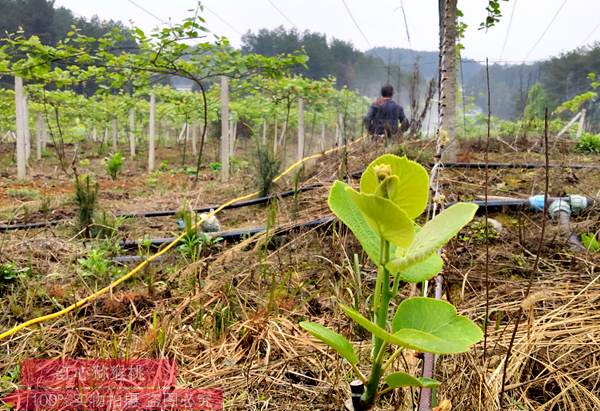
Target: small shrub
{"points": [[86, 195], [475, 233], [215, 166], [267, 167], [190, 171], [113, 165], [237, 163], [194, 242], [24, 194], [164, 166], [45, 207], [108, 225], [590, 242], [96, 265], [153, 178], [84, 163], [9, 272], [589, 143]]}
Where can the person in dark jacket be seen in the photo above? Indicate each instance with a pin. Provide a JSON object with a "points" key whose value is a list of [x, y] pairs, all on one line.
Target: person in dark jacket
{"points": [[385, 116]]}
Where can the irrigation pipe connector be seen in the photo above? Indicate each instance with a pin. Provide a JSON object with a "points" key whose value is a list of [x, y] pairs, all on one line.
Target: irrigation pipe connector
{"points": [[144, 263], [562, 209]]}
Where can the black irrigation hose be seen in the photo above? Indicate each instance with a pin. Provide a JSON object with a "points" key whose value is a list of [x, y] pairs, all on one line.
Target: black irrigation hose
{"points": [[234, 235], [238, 235], [493, 206], [166, 213], [28, 226], [240, 204], [517, 165], [265, 199]]}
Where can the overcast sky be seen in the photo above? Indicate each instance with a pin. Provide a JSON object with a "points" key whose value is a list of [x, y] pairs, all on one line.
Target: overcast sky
{"points": [[381, 21]]}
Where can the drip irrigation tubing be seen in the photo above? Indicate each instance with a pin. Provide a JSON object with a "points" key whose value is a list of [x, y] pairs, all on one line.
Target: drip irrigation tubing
{"points": [[167, 213], [239, 204], [493, 206], [284, 194], [236, 235], [518, 165]]}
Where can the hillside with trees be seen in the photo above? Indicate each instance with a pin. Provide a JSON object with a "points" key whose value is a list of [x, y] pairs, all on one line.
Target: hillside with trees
{"points": [[327, 57]]}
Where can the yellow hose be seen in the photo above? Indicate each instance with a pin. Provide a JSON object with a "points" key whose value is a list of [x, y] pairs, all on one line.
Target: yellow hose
{"points": [[131, 273]]}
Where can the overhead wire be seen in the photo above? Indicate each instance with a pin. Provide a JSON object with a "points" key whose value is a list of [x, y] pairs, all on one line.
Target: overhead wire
{"points": [[231, 26], [356, 24], [510, 20], [148, 12], [405, 22], [545, 30], [590, 35], [282, 13]]}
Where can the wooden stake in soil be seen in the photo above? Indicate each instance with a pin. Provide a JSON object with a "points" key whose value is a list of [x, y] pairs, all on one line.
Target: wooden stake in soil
{"points": [[26, 127], [39, 135], [114, 135], [132, 133], [300, 154], [194, 139], [581, 127], [275, 131], [340, 130], [21, 154], [151, 132], [224, 128]]}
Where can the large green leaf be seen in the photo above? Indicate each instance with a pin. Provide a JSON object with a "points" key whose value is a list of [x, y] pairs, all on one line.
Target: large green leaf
{"points": [[344, 208], [461, 332], [332, 339], [402, 379], [433, 235], [434, 326], [411, 191], [385, 217], [423, 270]]}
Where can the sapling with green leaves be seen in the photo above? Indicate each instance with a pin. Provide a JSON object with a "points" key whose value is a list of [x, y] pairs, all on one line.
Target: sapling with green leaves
{"points": [[393, 193], [113, 164]]}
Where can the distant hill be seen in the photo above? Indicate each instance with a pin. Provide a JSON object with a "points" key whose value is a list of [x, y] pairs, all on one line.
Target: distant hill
{"points": [[427, 61]]}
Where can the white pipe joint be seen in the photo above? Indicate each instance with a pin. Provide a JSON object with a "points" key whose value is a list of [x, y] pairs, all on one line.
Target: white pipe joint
{"points": [[558, 206]]}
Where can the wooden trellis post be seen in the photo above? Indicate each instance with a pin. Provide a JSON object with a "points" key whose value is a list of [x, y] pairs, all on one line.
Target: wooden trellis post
{"points": [[21, 154], [151, 133], [39, 135], [224, 128], [114, 135], [194, 138], [322, 140], [26, 127], [132, 133], [300, 154]]}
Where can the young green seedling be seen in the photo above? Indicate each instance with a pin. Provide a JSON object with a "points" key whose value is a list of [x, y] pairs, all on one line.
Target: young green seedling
{"points": [[393, 192]]}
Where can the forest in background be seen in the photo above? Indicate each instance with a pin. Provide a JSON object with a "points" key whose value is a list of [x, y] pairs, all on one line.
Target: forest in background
{"points": [[561, 77]]}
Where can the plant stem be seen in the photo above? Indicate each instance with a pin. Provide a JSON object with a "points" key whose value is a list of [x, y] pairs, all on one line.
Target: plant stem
{"points": [[381, 302], [392, 358], [359, 374]]}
